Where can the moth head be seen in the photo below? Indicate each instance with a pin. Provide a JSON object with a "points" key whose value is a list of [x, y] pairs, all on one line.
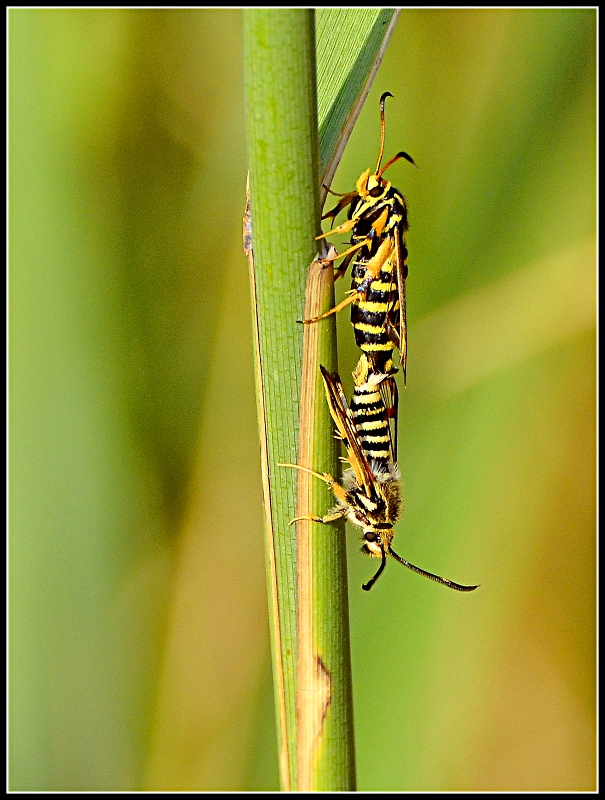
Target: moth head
{"points": [[373, 186], [376, 542]]}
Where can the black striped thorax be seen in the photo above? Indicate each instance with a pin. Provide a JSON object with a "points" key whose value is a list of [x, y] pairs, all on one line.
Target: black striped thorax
{"points": [[368, 210], [372, 513], [381, 510]]}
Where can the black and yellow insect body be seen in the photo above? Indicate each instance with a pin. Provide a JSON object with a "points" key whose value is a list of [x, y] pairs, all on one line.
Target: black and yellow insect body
{"points": [[370, 493], [378, 221], [378, 315], [370, 416]]}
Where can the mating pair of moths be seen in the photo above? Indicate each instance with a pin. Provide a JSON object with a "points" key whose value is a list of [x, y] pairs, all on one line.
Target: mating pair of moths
{"points": [[370, 493]]}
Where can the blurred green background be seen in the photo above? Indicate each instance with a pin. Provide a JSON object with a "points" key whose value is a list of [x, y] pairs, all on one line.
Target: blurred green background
{"points": [[139, 651]]}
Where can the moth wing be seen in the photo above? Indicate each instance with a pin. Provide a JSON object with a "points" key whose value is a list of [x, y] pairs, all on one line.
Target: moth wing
{"points": [[343, 419], [401, 272], [390, 398]]}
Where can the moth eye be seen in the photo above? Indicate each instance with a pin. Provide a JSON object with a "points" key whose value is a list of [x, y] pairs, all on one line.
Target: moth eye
{"points": [[370, 536]]}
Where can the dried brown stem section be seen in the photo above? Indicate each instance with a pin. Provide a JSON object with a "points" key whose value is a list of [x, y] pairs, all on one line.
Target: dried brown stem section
{"points": [[314, 683]]}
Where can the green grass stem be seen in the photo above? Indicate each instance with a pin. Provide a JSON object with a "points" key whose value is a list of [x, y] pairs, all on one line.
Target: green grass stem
{"points": [[306, 562]]}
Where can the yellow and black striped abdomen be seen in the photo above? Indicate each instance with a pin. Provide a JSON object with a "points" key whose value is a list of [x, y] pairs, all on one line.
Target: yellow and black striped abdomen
{"points": [[370, 416], [376, 316]]}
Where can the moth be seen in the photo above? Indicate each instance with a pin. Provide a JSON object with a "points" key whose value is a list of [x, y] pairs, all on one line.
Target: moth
{"points": [[370, 493], [378, 221]]}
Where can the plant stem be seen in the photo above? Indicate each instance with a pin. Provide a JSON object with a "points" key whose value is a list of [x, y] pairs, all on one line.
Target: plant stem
{"points": [[284, 192]]}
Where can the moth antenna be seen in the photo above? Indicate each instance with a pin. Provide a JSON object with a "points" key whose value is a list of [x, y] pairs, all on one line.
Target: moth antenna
{"points": [[399, 155], [382, 126], [367, 586], [459, 587]]}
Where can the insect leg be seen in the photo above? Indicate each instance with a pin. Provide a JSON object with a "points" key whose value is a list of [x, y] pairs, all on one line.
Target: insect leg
{"points": [[355, 295], [343, 228], [352, 298], [355, 247], [323, 476], [347, 199], [338, 490], [338, 273], [331, 517]]}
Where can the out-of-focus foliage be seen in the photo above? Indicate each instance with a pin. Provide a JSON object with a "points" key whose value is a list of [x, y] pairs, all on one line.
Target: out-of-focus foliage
{"points": [[138, 632]]}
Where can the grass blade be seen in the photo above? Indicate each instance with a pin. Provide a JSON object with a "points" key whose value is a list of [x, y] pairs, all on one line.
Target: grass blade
{"points": [[307, 576]]}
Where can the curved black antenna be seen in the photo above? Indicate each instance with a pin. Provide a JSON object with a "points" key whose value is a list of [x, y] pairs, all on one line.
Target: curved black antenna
{"points": [[426, 574], [367, 586], [382, 126], [399, 155]]}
